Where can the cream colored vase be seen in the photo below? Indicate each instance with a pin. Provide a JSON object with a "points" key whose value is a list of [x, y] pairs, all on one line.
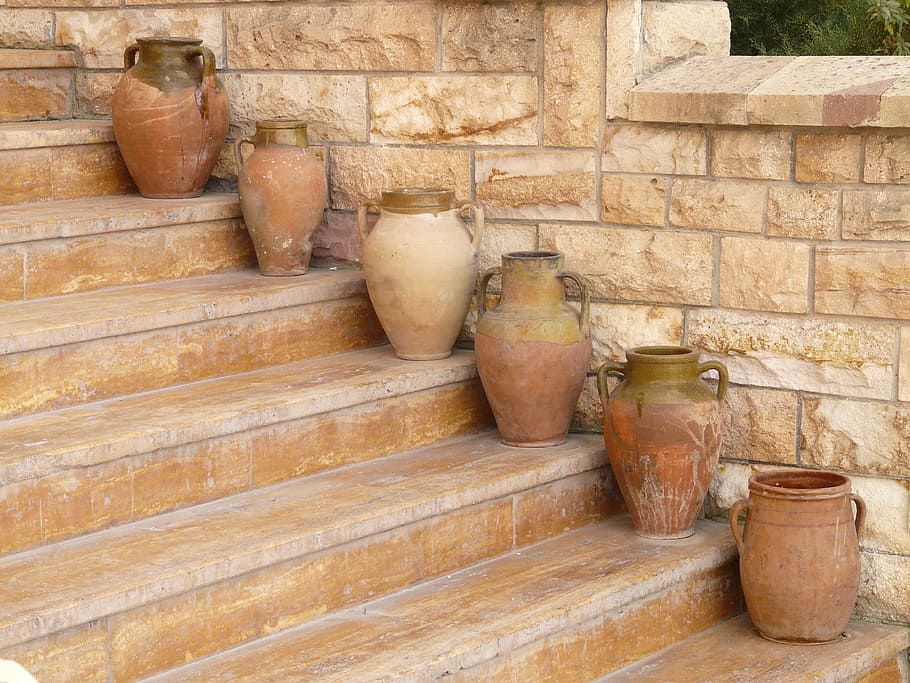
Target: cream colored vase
{"points": [[420, 264]]}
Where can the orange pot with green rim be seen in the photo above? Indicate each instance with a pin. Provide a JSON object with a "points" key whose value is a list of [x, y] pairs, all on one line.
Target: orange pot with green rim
{"points": [[662, 432]]}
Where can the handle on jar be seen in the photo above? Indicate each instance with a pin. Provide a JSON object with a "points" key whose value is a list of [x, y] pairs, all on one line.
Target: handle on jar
{"points": [[722, 374], [738, 507], [481, 291], [584, 320], [365, 207], [860, 521], [129, 56], [602, 372], [238, 152], [477, 210]]}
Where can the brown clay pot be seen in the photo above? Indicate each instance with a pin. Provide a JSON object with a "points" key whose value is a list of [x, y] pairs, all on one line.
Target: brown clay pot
{"points": [[532, 348], [170, 116], [662, 431], [282, 192], [420, 264], [799, 553]]}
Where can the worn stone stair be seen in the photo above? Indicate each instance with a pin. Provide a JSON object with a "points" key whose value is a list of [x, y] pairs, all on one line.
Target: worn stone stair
{"points": [[36, 84]]}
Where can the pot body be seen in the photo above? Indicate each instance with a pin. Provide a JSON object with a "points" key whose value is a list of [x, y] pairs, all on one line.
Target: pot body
{"points": [[662, 431], [420, 263], [533, 348], [170, 116], [799, 553], [282, 192]]}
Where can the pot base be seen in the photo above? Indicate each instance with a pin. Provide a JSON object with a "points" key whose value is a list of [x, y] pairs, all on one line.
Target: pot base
{"points": [[172, 195], [798, 641], [533, 444], [688, 533], [422, 356], [278, 272]]}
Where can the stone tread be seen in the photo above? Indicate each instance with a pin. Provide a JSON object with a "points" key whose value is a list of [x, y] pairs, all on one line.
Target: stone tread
{"points": [[73, 318], [96, 215], [477, 614], [32, 134], [17, 58], [52, 588], [40, 444], [733, 652]]}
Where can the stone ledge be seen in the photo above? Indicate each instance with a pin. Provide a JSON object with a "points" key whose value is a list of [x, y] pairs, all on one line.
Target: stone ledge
{"points": [[784, 91]]}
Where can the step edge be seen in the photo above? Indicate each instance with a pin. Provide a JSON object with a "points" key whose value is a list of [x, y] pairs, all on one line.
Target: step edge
{"points": [[11, 59], [54, 133]]}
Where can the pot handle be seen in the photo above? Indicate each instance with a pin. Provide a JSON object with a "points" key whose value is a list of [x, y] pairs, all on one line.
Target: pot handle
{"points": [[477, 209], [481, 292], [129, 56], [602, 372], [362, 218], [584, 321], [208, 60], [738, 507], [238, 152], [860, 521], [722, 374]]}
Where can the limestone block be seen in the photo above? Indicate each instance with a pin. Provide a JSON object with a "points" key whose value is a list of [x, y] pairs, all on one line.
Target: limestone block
{"points": [[802, 212], [856, 436], [888, 513], [12, 282], [751, 153], [102, 36], [764, 275], [863, 281], [887, 159], [533, 185], [365, 37], [884, 592], [490, 37], [338, 238], [617, 327], [634, 200], [903, 384], [676, 30], [876, 214], [35, 93], [624, 55], [827, 356], [26, 28], [334, 107], [730, 485], [828, 158], [359, 174], [730, 205], [589, 415], [637, 265], [635, 148], [483, 110], [573, 57], [502, 238], [760, 425], [94, 91]]}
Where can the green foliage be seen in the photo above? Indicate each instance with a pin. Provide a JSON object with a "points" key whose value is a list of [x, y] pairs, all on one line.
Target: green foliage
{"points": [[893, 16], [815, 27]]}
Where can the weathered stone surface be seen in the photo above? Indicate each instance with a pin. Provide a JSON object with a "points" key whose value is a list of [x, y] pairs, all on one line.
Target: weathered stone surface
{"points": [[12, 281], [359, 174], [624, 67], [548, 185], [884, 592], [617, 327], [637, 265], [102, 36], [94, 91], [802, 212], [334, 107], [634, 200], [856, 436], [573, 55], [483, 110], [338, 238], [819, 355], [731, 205], [729, 485], [876, 214], [760, 425], [367, 37], [676, 30], [764, 275], [502, 238], [635, 148], [887, 159], [895, 104], [589, 413], [35, 93], [751, 153], [903, 384], [863, 281], [26, 28], [888, 513], [490, 37], [828, 158]]}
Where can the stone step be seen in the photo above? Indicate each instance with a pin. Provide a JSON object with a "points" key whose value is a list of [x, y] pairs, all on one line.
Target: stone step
{"points": [[46, 160], [733, 651], [36, 84], [97, 465], [567, 609], [77, 245], [132, 601], [64, 351]]}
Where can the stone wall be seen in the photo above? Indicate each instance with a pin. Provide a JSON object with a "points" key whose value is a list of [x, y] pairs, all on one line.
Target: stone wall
{"points": [[782, 249]]}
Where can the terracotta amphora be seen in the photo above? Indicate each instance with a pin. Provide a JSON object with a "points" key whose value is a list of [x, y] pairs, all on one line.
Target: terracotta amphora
{"points": [[420, 263], [282, 190], [799, 557], [662, 431], [170, 116], [533, 348]]}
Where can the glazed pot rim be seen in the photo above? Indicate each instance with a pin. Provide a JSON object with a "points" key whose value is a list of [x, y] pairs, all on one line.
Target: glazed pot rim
{"points": [[281, 123], [543, 254], [663, 355], [799, 484], [169, 40], [418, 199]]}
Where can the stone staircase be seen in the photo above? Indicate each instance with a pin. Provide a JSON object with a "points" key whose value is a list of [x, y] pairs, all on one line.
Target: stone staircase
{"points": [[209, 475]]}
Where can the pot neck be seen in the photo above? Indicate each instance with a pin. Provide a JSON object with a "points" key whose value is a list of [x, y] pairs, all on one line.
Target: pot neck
{"points": [[168, 52], [532, 278], [662, 363], [281, 133]]}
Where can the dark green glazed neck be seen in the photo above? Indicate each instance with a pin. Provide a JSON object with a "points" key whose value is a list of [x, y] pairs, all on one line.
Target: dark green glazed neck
{"points": [[414, 200], [662, 363], [278, 132], [532, 277], [165, 51]]}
